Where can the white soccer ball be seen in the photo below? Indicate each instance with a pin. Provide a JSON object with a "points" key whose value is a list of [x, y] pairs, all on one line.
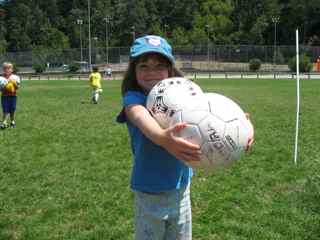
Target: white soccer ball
{"points": [[172, 95], [222, 132], [3, 82]]}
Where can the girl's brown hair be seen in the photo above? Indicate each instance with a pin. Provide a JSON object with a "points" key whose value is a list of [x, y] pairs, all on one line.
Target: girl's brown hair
{"points": [[129, 82]]}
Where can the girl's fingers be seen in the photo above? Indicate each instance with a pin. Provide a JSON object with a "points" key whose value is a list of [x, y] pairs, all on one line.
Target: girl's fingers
{"points": [[251, 139], [177, 127], [191, 152], [188, 157], [180, 141], [188, 154], [250, 142], [189, 145]]}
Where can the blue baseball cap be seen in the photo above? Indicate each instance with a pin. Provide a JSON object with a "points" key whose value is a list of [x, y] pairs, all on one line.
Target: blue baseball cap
{"points": [[151, 43]]}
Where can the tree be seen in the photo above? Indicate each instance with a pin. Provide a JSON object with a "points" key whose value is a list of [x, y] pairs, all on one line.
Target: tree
{"points": [[256, 32], [53, 38], [3, 46], [28, 23], [306, 17], [131, 17], [17, 20], [214, 18], [2, 26], [156, 29], [252, 20], [179, 37]]}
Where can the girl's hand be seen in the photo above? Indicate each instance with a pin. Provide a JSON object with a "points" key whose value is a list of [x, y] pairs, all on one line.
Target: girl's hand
{"points": [[166, 138], [178, 146], [251, 139]]}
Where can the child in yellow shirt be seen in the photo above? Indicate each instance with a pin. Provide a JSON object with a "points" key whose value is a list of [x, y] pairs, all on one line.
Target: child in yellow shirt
{"points": [[95, 83]]}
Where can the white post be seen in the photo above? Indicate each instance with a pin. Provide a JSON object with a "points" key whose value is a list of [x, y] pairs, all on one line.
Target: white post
{"points": [[89, 25], [298, 99], [81, 42], [80, 22], [275, 20], [107, 19], [133, 33]]}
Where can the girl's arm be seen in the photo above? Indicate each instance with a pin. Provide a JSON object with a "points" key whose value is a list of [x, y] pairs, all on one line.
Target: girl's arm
{"points": [[251, 139], [165, 138]]}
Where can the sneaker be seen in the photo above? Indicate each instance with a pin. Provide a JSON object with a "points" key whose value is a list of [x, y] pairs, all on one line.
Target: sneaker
{"points": [[12, 125], [3, 125]]}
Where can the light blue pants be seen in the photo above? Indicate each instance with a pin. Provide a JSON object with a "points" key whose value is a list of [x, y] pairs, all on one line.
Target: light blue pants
{"points": [[163, 216]]}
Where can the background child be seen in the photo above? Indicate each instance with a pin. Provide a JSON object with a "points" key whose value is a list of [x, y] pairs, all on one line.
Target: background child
{"points": [[108, 72], [159, 180], [9, 97], [95, 83]]}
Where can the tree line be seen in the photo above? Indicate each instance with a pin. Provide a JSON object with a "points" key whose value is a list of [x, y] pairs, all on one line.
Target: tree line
{"points": [[58, 24]]}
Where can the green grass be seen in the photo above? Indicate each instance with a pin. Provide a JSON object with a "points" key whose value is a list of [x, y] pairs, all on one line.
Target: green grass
{"points": [[65, 169]]}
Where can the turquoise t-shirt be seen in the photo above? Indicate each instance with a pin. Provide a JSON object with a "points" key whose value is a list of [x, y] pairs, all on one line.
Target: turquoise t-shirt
{"points": [[154, 169]]}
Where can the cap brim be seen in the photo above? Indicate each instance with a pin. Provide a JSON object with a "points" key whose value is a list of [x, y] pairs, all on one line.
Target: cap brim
{"points": [[153, 50]]}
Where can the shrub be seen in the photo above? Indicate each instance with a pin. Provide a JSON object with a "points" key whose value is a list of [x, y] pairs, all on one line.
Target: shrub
{"points": [[305, 64], [39, 68], [255, 64], [73, 67]]}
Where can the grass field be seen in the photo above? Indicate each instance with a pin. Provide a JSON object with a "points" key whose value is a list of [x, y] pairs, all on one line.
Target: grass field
{"points": [[65, 169]]}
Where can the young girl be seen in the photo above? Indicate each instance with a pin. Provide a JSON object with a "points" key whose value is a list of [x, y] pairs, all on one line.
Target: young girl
{"points": [[160, 181], [9, 95]]}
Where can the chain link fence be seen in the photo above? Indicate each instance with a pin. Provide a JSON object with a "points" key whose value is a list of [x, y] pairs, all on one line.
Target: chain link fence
{"points": [[214, 58]]}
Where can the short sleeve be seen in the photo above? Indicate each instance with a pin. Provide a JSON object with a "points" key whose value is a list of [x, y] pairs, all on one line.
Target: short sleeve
{"points": [[15, 78], [131, 97], [134, 97]]}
